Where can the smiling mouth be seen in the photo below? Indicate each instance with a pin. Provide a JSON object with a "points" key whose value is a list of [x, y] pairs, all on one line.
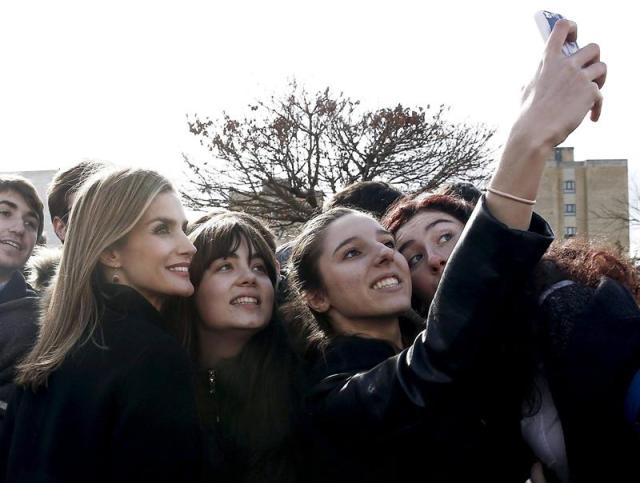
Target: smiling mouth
{"points": [[245, 301], [386, 282], [179, 269], [12, 244]]}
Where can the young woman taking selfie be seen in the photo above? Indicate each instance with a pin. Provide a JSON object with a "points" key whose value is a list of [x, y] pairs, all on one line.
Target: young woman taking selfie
{"points": [[384, 408]]}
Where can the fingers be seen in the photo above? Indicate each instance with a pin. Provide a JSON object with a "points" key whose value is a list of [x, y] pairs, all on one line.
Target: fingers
{"points": [[589, 58], [563, 31], [596, 73], [587, 55], [596, 110]]}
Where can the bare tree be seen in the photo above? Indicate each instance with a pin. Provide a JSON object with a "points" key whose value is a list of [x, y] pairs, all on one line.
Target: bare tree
{"points": [[292, 150], [622, 210]]}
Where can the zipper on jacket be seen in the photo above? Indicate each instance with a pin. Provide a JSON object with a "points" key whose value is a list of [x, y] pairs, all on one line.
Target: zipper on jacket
{"points": [[211, 378]]}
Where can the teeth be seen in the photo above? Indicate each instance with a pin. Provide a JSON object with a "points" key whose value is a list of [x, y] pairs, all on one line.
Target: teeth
{"points": [[179, 269], [11, 244], [386, 282], [244, 300]]}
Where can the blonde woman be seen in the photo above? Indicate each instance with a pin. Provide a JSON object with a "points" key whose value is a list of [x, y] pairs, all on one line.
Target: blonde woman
{"points": [[105, 395]]}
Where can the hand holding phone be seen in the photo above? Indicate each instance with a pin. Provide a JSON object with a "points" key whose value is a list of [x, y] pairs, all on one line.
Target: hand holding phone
{"points": [[545, 21]]}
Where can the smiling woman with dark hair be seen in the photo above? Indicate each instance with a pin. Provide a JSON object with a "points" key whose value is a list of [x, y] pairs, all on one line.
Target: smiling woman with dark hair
{"points": [[384, 408], [246, 381]]}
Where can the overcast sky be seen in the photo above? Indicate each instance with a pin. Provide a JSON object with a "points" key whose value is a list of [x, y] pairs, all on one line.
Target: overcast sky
{"points": [[114, 80]]}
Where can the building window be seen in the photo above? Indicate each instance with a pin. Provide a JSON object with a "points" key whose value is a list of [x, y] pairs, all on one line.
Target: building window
{"points": [[557, 154], [570, 186], [570, 231], [570, 209]]}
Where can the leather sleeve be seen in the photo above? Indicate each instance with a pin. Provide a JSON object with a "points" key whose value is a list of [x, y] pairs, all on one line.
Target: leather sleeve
{"points": [[489, 260]]}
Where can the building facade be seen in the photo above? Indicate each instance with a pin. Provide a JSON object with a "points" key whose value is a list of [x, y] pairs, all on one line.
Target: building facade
{"points": [[586, 198]]}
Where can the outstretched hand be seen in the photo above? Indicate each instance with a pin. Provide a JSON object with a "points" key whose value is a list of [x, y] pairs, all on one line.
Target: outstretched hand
{"points": [[564, 88]]}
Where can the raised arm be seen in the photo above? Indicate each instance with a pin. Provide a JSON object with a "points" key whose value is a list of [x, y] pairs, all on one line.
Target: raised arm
{"points": [[563, 90], [501, 244]]}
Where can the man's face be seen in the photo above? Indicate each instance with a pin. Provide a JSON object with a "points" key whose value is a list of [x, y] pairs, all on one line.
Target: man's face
{"points": [[61, 224], [18, 232]]}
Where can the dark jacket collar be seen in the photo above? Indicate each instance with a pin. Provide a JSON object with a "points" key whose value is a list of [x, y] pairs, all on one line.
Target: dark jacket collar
{"points": [[123, 301], [16, 288], [348, 354]]}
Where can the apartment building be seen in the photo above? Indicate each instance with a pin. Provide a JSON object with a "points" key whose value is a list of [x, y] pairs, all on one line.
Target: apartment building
{"points": [[586, 198]]}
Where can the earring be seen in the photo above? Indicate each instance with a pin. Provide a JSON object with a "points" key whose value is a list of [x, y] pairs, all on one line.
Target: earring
{"points": [[115, 278]]}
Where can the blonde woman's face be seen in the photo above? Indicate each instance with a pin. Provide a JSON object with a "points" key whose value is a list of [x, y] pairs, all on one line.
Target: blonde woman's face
{"points": [[156, 255]]}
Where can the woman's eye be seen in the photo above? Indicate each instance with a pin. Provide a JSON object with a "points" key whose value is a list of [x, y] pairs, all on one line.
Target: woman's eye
{"points": [[414, 260], [161, 229], [259, 268], [445, 237], [351, 253], [391, 244], [30, 224], [5, 213], [225, 267]]}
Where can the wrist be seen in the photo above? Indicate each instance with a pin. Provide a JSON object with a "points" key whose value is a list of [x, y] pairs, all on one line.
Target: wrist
{"points": [[531, 142]]}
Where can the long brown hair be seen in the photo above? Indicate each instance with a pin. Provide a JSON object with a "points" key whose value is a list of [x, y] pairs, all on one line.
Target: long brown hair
{"points": [[106, 209], [311, 330], [256, 391]]}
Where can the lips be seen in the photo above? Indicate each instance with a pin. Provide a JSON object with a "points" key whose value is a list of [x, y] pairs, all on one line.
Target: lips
{"points": [[386, 282], [12, 244], [179, 267], [245, 300]]}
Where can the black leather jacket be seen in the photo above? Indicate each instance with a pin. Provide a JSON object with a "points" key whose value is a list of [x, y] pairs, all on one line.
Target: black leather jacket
{"points": [[379, 416]]}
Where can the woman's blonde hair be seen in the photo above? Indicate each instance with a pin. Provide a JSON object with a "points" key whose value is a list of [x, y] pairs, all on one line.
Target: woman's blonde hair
{"points": [[106, 209]]}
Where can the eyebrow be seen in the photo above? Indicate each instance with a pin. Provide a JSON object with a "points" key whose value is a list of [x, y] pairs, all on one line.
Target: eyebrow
{"points": [[168, 221], [13, 206], [352, 238], [426, 228], [10, 204]]}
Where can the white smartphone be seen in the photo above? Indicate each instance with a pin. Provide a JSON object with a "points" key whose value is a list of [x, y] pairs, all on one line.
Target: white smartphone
{"points": [[545, 21]]}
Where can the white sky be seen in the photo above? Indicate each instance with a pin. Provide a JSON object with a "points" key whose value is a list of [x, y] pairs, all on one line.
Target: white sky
{"points": [[114, 80]]}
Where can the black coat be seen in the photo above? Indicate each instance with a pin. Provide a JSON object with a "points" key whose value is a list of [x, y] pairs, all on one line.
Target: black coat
{"points": [[591, 342], [412, 416], [18, 331], [120, 408]]}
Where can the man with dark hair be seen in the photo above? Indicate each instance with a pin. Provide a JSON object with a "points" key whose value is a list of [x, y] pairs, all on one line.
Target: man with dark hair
{"points": [[63, 189], [373, 197], [21, 224], [461, 189]]}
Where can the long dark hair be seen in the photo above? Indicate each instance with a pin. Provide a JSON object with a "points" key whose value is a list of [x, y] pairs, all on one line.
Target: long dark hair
{"points": [[311, 330], [256, 391]]}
